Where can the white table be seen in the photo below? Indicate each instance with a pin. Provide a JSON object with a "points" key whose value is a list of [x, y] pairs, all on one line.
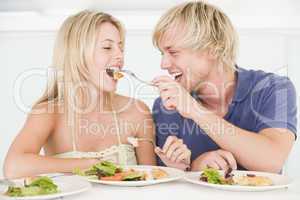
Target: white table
{"points": [[183, 191]]}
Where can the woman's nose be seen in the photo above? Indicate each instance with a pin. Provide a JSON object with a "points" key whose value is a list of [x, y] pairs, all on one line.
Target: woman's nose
{"points": [[119, 55]]}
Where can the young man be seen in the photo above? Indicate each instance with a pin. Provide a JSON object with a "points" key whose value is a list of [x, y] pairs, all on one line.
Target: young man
{"points": [[226, 115]]}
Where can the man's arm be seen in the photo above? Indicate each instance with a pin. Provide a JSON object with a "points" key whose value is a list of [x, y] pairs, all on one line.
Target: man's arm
{"points": [[268, 147], [266, 151]]}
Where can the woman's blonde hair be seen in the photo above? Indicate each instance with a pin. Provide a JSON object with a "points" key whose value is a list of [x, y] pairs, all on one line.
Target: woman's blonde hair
{"points": [[73, 53], [205, 27]]}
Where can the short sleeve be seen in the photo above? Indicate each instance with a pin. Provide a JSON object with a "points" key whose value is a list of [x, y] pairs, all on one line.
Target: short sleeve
{"points": [[278, 106]]}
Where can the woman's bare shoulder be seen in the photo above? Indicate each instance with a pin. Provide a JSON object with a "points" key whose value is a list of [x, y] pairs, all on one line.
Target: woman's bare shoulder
{"points": [[47, 113], [132, 105]]}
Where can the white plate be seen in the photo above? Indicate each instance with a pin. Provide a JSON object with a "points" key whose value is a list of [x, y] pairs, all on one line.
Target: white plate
{"points": [[174, 174], [279, 181], [67, 185]]}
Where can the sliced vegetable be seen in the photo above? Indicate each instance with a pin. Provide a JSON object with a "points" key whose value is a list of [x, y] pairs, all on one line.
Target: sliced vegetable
{"points": [[116, 177], [212, 176], [38, 186], [106, 168], [108, 171], [134, 176], [13, 191]]}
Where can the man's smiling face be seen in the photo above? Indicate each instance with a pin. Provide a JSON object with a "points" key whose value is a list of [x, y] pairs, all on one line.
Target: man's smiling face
{"points": [[189, 67]]}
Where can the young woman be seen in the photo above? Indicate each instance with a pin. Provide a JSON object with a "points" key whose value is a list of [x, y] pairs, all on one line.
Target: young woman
{"points": [[80, 120]]}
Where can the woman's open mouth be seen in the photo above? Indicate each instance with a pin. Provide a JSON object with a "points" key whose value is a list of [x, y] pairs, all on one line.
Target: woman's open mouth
{"points": [[114, 73]]}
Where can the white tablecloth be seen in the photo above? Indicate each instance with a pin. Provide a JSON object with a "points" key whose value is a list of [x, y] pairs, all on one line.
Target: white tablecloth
{"points": [[183, 191]]}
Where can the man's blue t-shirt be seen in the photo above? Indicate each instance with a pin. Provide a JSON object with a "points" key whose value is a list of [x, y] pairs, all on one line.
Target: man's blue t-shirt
{"points": [[261, 100]]}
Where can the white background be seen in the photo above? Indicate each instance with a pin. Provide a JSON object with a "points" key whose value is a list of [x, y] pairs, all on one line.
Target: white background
{"points": [[269, 39]]}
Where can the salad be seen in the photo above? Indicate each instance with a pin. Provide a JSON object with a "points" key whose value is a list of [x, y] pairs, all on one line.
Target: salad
{"points": [[107, 171], [213, 176], [32, 187], [110, 172]]}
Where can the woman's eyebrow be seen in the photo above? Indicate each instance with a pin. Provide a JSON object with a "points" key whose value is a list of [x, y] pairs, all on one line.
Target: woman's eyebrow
{"points": [[107, 40], [110, 40]]}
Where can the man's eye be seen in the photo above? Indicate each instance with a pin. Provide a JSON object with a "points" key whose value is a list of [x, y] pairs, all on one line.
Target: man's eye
{"points": [[108, 48]]}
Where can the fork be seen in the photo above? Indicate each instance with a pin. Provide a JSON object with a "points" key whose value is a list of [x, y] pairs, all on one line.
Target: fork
{"points": [[134, 141], [130, 73], [111, 70], [7, 182]]}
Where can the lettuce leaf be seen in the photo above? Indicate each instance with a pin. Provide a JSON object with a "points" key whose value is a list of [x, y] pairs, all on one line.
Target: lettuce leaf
{"points": [[212, 175], [39, 186]]}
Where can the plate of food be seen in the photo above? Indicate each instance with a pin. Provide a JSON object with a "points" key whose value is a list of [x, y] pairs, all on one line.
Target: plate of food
{"points": [[238, 180], [43, 187], [135, 175]]}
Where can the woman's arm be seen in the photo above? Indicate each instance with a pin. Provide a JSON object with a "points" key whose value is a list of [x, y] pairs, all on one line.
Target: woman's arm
{"points": [[145, 129], [23, 157]]}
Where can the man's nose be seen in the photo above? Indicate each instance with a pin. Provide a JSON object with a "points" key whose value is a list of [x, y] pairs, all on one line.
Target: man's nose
{"points": [[165, 62]]}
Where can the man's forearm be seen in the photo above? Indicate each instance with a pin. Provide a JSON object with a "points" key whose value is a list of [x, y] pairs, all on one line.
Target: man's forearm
{"points": [[252, 151]]}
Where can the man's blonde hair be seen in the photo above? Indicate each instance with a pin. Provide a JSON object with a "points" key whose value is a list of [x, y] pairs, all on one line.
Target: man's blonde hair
{"points": [[205, 27]]}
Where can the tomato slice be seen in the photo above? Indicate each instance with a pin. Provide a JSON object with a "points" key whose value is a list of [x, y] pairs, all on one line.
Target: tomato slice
{"points": [[116, 177]]}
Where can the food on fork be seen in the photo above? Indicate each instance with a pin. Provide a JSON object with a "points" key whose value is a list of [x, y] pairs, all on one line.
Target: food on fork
{"points": [[213, 176], [117, 75], [114, 73], [159, 174], [32, 187]]}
